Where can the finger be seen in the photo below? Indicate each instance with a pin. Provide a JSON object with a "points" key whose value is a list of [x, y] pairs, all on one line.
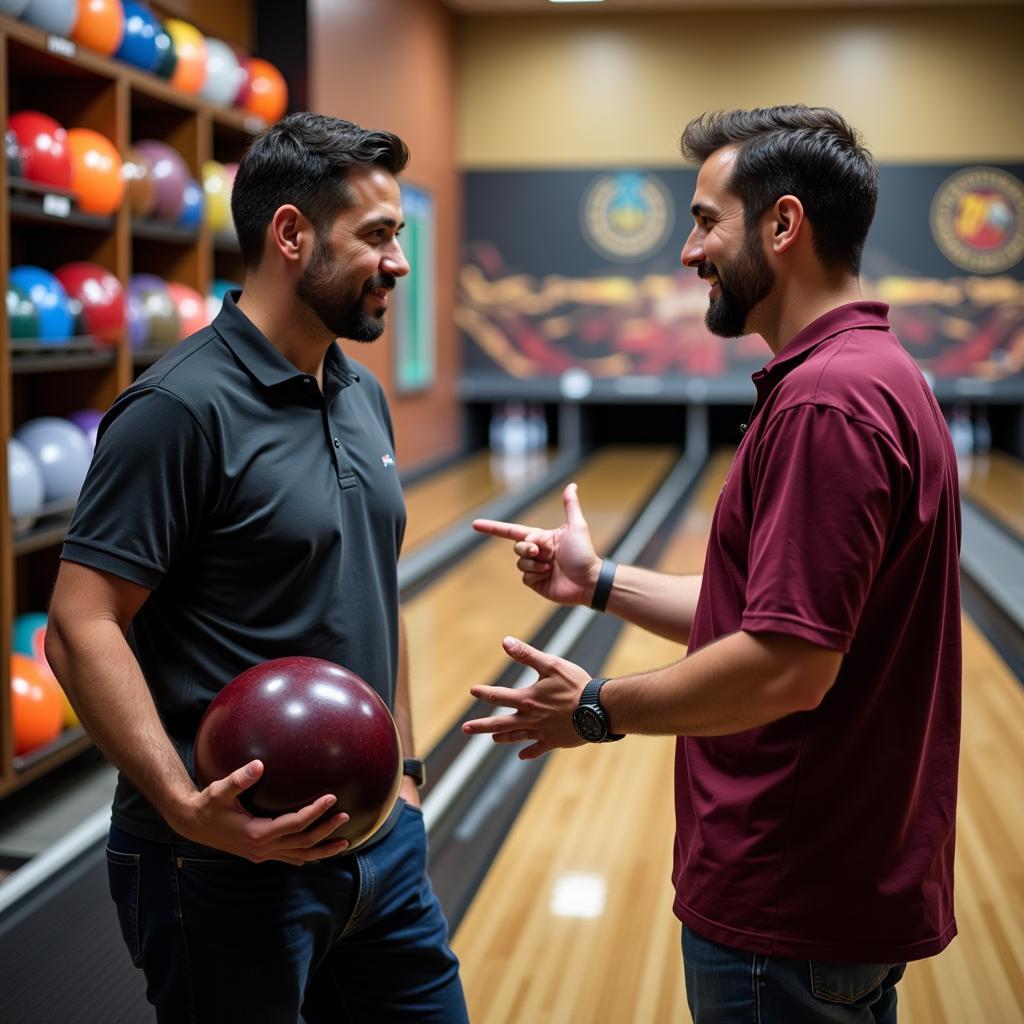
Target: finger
{"points": [[300, 820], [520, 651], [493, 724], [499, 696], [573, 512], [535, 579], [513, 736], [529, 549], [535, 750], [510, 531], [316, 835], [229, 788], [532, 565]]}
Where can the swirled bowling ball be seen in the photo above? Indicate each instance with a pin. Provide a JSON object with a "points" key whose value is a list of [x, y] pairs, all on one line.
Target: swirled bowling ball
{"points": [[318, 728]]}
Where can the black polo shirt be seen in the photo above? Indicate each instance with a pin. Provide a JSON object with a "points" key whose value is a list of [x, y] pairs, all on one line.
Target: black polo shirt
{"points": [[266, 518]]}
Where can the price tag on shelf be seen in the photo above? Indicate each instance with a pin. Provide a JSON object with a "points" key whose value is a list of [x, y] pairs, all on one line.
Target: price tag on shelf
{"points": [[56, 206], [62, 46]]}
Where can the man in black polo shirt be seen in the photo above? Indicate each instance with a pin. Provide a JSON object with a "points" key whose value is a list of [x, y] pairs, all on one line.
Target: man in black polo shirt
{"points": [[243, 505]]}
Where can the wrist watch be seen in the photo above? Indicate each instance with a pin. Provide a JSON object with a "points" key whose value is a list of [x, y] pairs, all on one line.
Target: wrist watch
{"points": [[590, 720], [416, 770]]}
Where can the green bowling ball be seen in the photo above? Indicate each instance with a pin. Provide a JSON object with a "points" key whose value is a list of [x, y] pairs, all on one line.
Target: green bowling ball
{"points": [[21, 313]]}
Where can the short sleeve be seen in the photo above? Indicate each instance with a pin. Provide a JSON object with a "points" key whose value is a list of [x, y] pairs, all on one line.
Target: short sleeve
{"points": [[146, 492], [826, 492]]}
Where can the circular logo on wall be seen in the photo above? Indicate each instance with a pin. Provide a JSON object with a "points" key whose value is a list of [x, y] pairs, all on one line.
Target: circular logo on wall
{"points": [[977, 220], [627, 216]]}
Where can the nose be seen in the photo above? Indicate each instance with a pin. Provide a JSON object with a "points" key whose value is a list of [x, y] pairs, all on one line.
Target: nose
{"points": [[394, 261], [693, 250]]}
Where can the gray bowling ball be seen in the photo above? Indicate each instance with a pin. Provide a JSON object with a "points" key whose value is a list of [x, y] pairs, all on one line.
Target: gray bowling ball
{"points": [[25, 489], [62, 452]]}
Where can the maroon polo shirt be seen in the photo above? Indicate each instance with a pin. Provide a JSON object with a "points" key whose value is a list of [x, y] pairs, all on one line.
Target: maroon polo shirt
{"points": [[829, 834]]}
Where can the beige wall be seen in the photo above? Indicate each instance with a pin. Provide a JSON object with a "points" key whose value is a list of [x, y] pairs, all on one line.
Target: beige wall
{"points": [[392, 64], [560, 90]]}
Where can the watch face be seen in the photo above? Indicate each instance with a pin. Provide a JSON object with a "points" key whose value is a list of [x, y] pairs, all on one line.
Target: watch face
{"points": [[588, 724]]}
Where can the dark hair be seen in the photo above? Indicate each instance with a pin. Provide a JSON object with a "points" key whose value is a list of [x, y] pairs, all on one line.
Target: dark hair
{"points": [[303, 160], [809, 152]]}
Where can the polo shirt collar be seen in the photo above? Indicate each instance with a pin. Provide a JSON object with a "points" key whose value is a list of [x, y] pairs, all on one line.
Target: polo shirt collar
{"points": [[263, 360], [851, 316]]}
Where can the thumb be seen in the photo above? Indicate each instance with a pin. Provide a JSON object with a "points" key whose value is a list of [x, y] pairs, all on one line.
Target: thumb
{"points": [[522, 652], [240, 779], [573, 512]]}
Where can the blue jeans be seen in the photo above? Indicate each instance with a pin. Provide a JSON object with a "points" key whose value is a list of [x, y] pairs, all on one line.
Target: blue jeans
{"points": [[351, 939], [728, 986]]}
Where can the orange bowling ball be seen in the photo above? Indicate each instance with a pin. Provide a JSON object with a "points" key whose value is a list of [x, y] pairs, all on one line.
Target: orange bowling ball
{"points": [[100, 25], [268, 93], [191, 307], [95, 171], [36, 707]]}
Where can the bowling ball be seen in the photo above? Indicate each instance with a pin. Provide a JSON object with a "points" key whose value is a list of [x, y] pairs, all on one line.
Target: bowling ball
{"points": [[100, 298], [190, 306], [21, 313], [167, 58], [56, 16], [44, 148], [190, 46], [26, 491], [152, 315], [29, 638], [88, 422], [191, 216], [52, 305], [100, 25], [138, 45], [62, 453], [223, 74], [36, 707], [138, 184], [318, 728], [95, 171], [268, 92], [169, 174]]}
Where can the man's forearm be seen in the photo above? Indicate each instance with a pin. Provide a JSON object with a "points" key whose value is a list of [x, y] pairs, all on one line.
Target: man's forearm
{"points": [[655, 601], [105, 684], [739, 682]]}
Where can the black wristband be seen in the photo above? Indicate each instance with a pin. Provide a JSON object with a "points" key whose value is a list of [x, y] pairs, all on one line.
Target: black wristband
{"points": [[604, 585]]}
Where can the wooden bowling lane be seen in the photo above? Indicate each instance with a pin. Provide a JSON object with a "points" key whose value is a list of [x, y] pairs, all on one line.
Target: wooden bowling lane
{"points": [[455, 626], [995, 482], [574, 922], [443, 498], [597, 831]]}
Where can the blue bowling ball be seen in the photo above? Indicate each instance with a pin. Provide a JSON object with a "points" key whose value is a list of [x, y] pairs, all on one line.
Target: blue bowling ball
{"points": [[191, 215], [29, 630], [53, 307], [139, 47]]}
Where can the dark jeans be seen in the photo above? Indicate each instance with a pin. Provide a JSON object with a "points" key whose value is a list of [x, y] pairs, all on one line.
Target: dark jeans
{"points": [[352, 939], [728, 986]]}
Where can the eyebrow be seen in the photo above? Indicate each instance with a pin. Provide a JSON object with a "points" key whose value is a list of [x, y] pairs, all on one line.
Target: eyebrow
{"points": [[383, 222], [699, 210]]}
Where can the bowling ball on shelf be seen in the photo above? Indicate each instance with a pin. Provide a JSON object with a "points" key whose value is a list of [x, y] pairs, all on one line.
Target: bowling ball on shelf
{"points": [[190, 307], [88, 422], [190, 47], [100, 25], [61, 452], [215, 298], [100, 297], [169, 174], [29, 639], [44, 148], [167, 57], [22, 320], [217, 188], [244, 78], [26, 491], [138, 184], [51, 302], [152, 317], [95, 171], [192, 208], [36, 710], [138, 45], [268, 93], [318, 728], [223, 74], [56, 16], [12, 154], [13, 8]]}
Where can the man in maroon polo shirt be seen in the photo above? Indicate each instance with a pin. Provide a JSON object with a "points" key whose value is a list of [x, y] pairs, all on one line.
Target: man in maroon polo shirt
{"points": [[818, 706]]}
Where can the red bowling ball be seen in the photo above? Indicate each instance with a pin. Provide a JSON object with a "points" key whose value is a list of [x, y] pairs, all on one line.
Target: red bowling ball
{"points": [[318, 728]]}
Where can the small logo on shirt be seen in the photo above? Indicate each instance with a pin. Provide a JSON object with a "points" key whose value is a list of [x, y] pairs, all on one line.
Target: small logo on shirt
{"points": [[387, 460]]}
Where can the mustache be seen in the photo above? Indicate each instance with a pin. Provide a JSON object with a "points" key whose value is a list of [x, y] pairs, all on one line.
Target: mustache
{"points": [[380, 282], [705, 269]]}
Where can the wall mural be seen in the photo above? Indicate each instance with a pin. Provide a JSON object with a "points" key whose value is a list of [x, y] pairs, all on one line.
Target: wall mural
{"points": [[571, 282]]}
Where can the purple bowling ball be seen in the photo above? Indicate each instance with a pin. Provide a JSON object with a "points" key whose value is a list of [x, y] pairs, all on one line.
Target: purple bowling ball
{"points": [[170, 176], [61, 452], [87, 421]]}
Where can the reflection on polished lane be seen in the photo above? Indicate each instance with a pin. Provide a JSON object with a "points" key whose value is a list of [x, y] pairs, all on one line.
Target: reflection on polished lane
{"points": [[454, 627], [995, 482], [573, 924]]}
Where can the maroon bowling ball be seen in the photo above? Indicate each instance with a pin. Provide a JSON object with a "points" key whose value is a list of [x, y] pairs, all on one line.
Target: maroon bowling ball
{"points": [[318, 728]]}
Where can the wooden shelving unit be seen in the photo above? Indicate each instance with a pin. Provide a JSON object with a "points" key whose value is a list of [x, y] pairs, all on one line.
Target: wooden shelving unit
{"points": [[84, 89]]}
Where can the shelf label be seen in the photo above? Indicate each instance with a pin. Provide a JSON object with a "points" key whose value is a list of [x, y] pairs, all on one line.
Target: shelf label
{"points": [[62, 46], [56, 206]]}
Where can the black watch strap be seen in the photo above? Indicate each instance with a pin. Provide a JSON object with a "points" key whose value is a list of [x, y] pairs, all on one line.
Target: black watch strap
{"points": [[416, 770], [591, 697], [603, 589]]}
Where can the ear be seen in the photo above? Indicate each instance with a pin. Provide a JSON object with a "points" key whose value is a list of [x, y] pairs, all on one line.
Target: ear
{"points": [[785, 222], [289, 232]]}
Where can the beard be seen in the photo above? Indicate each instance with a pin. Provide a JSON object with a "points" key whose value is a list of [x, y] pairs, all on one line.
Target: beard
{"points": [[329, 294], [750, 279]]}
